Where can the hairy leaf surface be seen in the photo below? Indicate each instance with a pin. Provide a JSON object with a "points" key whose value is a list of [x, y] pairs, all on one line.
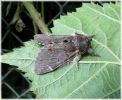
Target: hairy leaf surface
{"points": [[96, 77]]}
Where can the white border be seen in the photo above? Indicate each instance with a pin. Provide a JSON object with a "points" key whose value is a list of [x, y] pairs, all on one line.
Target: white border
{"points": [[121, 52], [61, 0], [0, 52]]}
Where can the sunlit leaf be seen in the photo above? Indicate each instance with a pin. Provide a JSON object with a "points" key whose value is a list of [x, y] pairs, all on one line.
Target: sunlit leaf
{"points": [[97, 77]]}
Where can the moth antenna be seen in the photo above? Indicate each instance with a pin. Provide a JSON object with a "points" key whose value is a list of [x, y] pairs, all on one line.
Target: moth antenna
{"points": [[90, 37], [78, 34]]}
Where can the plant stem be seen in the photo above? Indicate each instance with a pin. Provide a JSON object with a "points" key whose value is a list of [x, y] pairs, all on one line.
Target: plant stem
{"points": [[35, 28], [42, 11], [36, 17]]}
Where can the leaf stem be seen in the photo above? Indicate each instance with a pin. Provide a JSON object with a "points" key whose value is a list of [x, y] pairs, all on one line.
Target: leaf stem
{"points": [[42, 11], [36, 17]]}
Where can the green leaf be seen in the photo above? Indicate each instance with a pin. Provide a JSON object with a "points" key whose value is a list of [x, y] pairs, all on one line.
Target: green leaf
{"points": [[16, 15], [96, 77], [8, 8]]}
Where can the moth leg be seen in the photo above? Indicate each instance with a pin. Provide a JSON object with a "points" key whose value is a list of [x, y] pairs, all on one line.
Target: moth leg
{"points": [[91, 52], [77, 58]]}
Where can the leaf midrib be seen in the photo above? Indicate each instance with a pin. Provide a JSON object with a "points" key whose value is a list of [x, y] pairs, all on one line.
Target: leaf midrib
{"points": [[81, 62]]}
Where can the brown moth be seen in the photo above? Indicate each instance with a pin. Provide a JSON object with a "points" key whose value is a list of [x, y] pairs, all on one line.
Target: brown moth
{"points": [[59, 49]]}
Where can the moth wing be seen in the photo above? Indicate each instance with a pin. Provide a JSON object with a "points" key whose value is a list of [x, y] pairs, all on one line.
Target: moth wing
{"points": [[48, 39], [51, 57], [41, 38]]}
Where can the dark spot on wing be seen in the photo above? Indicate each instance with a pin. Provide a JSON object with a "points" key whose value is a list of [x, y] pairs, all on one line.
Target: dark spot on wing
{"points": [[51, 48], [65, 41]]}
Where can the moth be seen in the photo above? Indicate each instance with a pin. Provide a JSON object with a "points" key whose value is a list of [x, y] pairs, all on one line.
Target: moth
{"points": [[59, 49]]}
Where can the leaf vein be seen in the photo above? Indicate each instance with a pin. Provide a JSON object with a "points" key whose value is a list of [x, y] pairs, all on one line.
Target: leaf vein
{"points": [[117, 89], [110, 18], [89, 79]]}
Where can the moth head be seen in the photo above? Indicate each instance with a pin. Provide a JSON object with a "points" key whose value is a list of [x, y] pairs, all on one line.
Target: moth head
{"points": [[88, 40], [83, 41]]}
